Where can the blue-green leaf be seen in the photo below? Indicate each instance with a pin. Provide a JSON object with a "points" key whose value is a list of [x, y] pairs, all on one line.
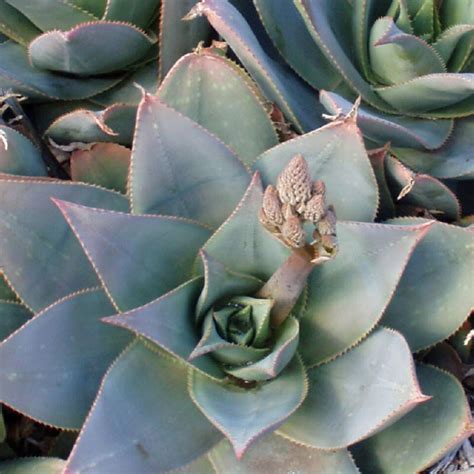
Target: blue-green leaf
{"points": [[178, 168], [348, 295], [38, 252], [216, 93], [335, 154], [294, 97], [399, 130], [18, 155], [242, 414], [276, 454], [425, 435], [143, 419], [435, 294], [137, 258], [60, 356], [357, 394], [259, 253]]}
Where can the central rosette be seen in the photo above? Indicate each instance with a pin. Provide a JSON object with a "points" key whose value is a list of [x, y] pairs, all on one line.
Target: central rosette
{"points": [[237, 333], [254, 337]]}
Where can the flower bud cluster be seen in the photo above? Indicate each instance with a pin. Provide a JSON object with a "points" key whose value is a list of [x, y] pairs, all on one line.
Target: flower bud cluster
{"points": [[297, 200]]}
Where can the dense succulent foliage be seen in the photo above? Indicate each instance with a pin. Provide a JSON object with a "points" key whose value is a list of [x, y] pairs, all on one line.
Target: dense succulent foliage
{"points": [[74, 65], [409, 60], [177, 332], [211, 300]]}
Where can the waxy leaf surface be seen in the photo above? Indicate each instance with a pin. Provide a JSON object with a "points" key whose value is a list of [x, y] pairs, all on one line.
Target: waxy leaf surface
{"points": [[178, 37], [436, 292], [137, 258], [348, 295], [294, 97], [17, 74], [143, 419], [104, 164], [423, 436], [90, 49], [38, 252], [276, 454], [357, 394], [178, 168], [18, 155], [216, 93], [243, 415], [242, 234], [60, 356], [400, 131]]}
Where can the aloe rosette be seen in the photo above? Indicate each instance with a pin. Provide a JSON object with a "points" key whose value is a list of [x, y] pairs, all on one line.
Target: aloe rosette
{"points": [[409, 60], [219, 317]]}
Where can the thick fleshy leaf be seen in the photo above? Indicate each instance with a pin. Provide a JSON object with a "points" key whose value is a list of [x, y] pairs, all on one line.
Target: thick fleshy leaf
{"points": [[64, 386], [178, 37], [127, 92], [454, 12], [294, 97], [12, 316], [16, 73], [216, 93], [222, 282], [137, 258], [365, 12], [286, 341], [454, 160], [332, 34], [424, 15], [357, 394], [421, 190], [114, 124], [436, 292], [90, 49], [348, 295], [178, 168], [18, 155], [289, 34], [259, 253], [136, 12], [276, 454], [66, 14], [104, 164], [400, 131], [143, 419], [170, 323], [15, 25], [450, 38], [36, 465], [427, 93], [336, 155], [397, 57], [227, 353], [386, 206], [243, 415], [38, 253], [423, 436]]}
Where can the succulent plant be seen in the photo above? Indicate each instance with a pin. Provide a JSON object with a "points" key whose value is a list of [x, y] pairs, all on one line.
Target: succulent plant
{"points": [[409, 60], [219, 317], [73, 65]]}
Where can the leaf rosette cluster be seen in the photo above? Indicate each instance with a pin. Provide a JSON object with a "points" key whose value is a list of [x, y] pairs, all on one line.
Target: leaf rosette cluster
{"points": [[150, 318]]}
